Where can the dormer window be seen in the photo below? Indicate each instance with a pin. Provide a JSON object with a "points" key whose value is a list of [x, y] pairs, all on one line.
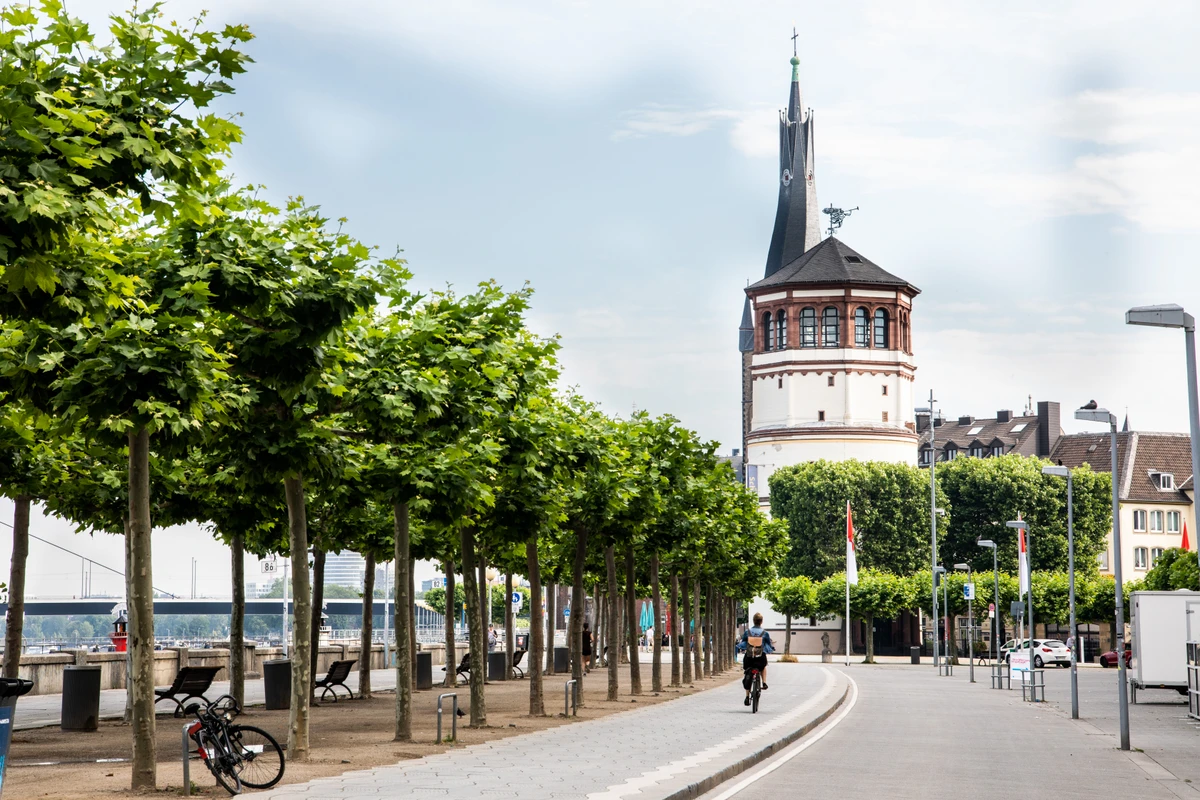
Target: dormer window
{"points": [[951, 451], [976, 450], [1163, 481], [926, 456]]}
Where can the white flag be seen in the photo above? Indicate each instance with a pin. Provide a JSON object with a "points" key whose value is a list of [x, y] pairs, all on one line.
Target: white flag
{"points": [[1024, 562], [851, 561]]}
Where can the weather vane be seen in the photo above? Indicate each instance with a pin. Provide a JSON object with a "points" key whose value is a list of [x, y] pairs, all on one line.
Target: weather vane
{"points": [[837, 216]]}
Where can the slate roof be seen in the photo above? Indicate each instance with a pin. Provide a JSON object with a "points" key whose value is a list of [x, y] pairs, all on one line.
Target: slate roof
{"points": [[1138, 456], [832, 262], [985, 432]]}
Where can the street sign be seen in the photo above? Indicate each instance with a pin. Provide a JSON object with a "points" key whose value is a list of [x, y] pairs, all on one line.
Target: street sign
{"points": [[267, 567], [517, 600], [991, 612], [968, 591], [1018, 661], [567, 612], [1017, 609], [991, 607]]}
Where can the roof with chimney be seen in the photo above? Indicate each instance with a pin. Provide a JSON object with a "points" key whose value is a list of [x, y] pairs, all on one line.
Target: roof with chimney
{"points": [[1014, 433], [832, 261], [1143, 458]]}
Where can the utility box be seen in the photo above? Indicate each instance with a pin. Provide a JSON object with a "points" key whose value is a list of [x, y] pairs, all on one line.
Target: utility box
{"points": [[1163, 624]]}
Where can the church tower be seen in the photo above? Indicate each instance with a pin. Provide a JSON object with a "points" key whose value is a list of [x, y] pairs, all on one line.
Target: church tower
{"points": [[825, 339]]}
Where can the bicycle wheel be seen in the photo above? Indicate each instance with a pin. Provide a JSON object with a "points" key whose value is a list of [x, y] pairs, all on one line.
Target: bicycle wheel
{"points": [[755, 691], [217, 761], [260, 756]]}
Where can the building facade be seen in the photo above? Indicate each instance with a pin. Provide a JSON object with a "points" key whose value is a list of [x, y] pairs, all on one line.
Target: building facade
{"points": [[345, 569], [1028, 434]]}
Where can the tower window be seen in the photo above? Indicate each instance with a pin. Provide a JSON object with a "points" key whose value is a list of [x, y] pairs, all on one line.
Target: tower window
{"points": [[862, 328], [881, 331], [831, 380], [768, 332], [829, 327], [781, 330], [820, 416], [781, 383], [808, 327], [885, 390], [885, 416]]}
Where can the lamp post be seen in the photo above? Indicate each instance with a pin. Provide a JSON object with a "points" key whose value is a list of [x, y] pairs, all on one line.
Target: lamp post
{"points": [[938, 572], [1021, 525], [1094, 414], [988, 543], [933, 515], [970, 621], [1063, 472], [1173, 316]]}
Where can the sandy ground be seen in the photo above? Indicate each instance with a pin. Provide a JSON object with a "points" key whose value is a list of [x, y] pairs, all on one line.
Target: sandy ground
{"points": [[347, 735]]}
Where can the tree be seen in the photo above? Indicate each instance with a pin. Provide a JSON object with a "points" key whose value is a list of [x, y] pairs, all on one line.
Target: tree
{"points": [[436, 598], [792, 597], [877, 594], [891, 515], [1175, 569]]}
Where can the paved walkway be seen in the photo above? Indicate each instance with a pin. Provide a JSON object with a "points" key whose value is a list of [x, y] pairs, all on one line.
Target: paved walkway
{"points": [[652, 752], [45, 710]]}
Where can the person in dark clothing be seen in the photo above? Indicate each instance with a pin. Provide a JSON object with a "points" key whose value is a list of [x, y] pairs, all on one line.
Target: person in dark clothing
{"points": [[587, 646], [755, 643]]}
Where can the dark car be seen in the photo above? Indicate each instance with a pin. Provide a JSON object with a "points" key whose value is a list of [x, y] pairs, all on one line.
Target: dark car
{"points": [[1109, 659]]}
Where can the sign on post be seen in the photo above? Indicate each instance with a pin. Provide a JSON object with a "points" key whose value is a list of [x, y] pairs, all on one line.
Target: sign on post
{"points": [[1017, 609], [567, 613], [517, 600], [267, 565], [1018, 661], [968, 591]]}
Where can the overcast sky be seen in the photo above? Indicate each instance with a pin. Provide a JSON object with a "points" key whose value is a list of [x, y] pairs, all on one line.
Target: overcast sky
{"points": [[1034, 170]]}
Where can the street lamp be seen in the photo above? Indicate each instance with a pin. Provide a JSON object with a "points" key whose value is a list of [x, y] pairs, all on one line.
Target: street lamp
{"points": [[970, 620], [933, 515], [1063, 472], [1094, 414], [1172, 316], [988, 543], [1024, 528]]}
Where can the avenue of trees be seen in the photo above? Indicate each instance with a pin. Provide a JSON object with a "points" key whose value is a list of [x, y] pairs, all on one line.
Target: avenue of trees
{"points": [[174, 349]]}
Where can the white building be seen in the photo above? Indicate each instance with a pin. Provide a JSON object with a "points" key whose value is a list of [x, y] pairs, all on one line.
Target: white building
{"points": [[345, 569]]}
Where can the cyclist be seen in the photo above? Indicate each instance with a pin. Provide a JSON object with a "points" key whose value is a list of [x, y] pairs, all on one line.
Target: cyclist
{"points": [[756, 643]]}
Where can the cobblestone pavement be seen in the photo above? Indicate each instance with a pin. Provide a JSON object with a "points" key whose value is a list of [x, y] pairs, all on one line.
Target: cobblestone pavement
{"points": [[645, 753], [45, 710], [912, 734]]}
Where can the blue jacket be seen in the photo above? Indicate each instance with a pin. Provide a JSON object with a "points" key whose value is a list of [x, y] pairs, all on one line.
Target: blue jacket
{"points": [[746, 634]]}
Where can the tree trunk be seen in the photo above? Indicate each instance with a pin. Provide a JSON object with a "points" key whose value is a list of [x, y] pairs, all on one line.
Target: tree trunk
{"points": [[537, 705], [509, 641], [130, 627], [685, 638], [578, 606], [404, 602], [485, 597], [697, 627], [674, 624], [656, 684], [298, 749], [237, 621], [412, 619], [787, 636], [706, 630], [597, 628], [451, 614], [614, 622], [141, 596], [368, 627], [622, 626], [15, 619], [635, 670], [318, 607], [551, 625], [870, 659], [476, 632]]}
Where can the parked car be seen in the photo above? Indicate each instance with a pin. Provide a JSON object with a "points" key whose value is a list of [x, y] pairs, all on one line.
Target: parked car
{"points": [[1109, 659], [1045, 651]]}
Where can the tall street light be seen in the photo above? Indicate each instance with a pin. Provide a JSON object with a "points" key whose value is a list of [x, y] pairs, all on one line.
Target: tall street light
{"points": [[933, 515], [1173, 316], [988, 543], [1063, 472], [970, 620], [1091, 413]]}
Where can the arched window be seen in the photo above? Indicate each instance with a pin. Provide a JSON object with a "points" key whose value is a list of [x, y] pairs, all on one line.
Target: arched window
{"points": [[781, 330], [829, 327], [881, 331], [808, 327], [862, 328], [768, 332]]}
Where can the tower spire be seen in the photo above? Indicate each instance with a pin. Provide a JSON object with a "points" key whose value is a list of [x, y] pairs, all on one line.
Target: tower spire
{"points": [[797, 221]]}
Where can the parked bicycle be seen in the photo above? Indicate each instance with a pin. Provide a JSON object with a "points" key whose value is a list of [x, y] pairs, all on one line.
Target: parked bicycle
{"points": [[236, 755]]}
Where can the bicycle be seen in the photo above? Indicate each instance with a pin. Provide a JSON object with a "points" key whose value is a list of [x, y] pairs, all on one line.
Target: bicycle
{"points": [[755, 689], [236, 755]]}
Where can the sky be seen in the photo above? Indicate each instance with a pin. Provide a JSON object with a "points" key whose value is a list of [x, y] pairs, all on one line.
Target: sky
{"points": [[1033, 170]]}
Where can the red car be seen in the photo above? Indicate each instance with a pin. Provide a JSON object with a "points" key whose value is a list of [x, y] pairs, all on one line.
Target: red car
{"points": [[1109, 659]]}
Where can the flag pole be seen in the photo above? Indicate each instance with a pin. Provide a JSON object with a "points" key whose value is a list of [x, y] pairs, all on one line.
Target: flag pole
{"points": [[849, 637]]}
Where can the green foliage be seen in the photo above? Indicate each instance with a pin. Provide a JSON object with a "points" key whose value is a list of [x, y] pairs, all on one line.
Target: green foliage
{"points": [[795, 597], [436, 599], [1175, 569]]}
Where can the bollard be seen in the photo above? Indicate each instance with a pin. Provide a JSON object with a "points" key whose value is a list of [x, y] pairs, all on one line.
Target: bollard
{"points": [[453, 717], [570, 698], [187, 767]]}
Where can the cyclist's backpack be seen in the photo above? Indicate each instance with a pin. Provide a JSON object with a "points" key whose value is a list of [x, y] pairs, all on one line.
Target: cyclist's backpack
{"points": [[754, 646]]}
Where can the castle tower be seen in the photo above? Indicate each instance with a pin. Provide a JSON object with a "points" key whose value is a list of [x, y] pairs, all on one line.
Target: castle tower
{"points": [[825, 339]]}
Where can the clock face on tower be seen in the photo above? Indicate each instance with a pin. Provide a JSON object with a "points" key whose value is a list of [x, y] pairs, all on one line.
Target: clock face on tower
{"points": [[787, 177]]}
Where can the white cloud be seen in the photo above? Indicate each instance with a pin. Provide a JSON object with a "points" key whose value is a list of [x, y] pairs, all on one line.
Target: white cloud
{"points": [[652, 119]]}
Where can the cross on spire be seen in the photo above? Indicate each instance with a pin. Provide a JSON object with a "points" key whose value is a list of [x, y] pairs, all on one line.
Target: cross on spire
{"points": [[794, 37]]}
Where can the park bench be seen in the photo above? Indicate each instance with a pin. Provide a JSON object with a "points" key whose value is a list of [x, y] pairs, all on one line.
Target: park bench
{"points": [[464, 668], [517, 656], [338, 672], [190, 682]]}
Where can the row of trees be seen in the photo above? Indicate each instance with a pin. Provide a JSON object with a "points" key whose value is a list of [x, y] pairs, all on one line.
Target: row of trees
{"points": [[884, 595], [175, 349]]}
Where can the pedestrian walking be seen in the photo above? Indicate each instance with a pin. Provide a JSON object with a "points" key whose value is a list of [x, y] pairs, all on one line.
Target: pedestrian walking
{"points": [[587, 646], [493, 638]]}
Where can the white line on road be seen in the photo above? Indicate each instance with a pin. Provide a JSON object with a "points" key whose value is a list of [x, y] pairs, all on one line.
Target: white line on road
{"points": [[798, 748]]}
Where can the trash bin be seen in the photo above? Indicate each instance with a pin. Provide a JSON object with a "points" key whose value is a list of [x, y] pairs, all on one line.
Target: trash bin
{"points": [[915, 654], [495, 666], [10, 690], [277, 683], [562, 661], [424, 670], [81, 698]]}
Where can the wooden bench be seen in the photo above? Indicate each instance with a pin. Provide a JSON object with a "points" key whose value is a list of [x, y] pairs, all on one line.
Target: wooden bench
{"points": [[464, 668], [338, 672], [190, 682]]}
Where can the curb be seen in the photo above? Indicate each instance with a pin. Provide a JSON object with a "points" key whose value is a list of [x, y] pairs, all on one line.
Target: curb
{"points": [[711, 782]]}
